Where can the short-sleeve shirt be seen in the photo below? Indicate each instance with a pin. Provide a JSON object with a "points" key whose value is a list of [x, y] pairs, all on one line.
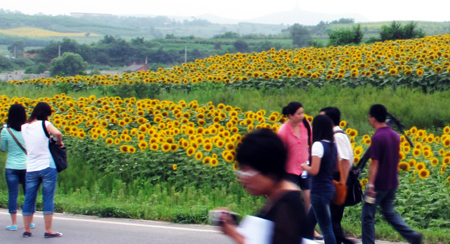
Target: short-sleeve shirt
{"points": [[16, 159], [289, 218], [385, 148], [36, 142], [323, 180], [296, 146], [343, 145]]}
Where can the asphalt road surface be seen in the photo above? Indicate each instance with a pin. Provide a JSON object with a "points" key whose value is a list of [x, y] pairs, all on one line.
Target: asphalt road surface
{"points": [[87, 229], [79, 229]]}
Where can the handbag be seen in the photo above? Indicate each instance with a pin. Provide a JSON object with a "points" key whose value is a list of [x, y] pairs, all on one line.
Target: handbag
{"points": [[17, 141], [59, 154]]}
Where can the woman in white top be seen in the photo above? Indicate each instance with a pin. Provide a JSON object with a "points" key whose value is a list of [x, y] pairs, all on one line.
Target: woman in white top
{"points": [[41, 168]]}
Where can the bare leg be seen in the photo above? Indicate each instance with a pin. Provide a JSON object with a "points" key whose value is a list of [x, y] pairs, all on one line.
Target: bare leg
{"points": [[26, 223], [32, 218], [48, 218], [14, 218], [307, 198]]}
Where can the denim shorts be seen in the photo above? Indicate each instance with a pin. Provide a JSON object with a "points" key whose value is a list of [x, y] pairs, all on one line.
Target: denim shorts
{"points": [[14, 177], [47, 177], [303, 183]]}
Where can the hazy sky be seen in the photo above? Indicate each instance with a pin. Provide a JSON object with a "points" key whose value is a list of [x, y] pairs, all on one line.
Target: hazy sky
{"points": [[378, 10]]}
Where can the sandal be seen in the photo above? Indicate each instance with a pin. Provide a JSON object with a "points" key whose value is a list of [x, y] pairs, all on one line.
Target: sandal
{"points": [[49, 235]]}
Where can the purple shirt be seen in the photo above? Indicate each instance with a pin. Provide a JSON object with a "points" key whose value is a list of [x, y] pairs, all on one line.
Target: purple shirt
{"points": [[385, 148]]}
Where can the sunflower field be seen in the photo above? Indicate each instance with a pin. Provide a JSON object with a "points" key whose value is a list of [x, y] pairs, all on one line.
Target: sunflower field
{"points": [[134, 153], [420, 63]]}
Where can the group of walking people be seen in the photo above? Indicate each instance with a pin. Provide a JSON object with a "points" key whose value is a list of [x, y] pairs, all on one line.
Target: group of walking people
{"points": [[295, 169], [30, 163]]}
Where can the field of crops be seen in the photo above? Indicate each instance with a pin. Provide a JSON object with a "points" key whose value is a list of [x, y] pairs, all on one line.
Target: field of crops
{"points": [[36, 32], [413, 63], [126, 144]]}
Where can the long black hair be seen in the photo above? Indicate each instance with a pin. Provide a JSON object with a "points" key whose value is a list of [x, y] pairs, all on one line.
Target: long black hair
{"points": [[40, 112], [322, 128], [16, 117]]}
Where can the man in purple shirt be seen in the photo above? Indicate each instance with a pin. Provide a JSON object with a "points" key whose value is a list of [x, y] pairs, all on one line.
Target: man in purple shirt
{"points": [[383, 180]]}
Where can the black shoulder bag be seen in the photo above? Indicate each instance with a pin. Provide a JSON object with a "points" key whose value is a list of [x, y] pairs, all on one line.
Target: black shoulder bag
{"points": [[59, 154], [354, 190]]}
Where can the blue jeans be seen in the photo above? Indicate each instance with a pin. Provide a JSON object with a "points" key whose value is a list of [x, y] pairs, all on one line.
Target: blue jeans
{"points": [[320, 212], [386, 201], [47, 177], [14, 177]]}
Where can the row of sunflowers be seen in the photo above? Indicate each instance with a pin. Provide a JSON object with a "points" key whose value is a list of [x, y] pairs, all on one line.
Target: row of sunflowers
{"points": [[115, 134], [416, 63]]}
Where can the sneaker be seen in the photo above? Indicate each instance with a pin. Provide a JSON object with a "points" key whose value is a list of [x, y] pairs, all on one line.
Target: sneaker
{"points": [[319, 237], [11, 227], [32, 225], [26, 234], [56, 234]]}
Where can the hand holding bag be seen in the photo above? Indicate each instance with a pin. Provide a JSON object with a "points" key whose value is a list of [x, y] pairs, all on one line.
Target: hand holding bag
{"points": [[341, 189], [59, 153]]}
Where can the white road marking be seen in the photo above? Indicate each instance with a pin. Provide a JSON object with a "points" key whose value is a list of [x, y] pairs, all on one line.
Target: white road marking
{"points": [[127, 224]]}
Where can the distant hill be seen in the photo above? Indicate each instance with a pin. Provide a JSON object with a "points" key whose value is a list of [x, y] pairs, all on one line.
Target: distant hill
{"points": [[303, 18]]}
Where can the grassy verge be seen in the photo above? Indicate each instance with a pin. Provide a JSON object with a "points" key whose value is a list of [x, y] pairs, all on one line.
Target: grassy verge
{"points": [[84, 190]]}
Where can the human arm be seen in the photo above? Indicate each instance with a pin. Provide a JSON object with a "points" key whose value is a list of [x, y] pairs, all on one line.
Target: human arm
{"points": [[56, 133], [373, 170], [314, 168], [345, 166], [4, 141], [316, 157], [229, 228]]}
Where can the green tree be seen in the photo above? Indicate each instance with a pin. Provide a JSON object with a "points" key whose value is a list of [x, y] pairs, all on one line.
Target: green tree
{"points": [[300, 35], [17, 48], [344, 37], [241, 46], [395, 31], [69, 64]]}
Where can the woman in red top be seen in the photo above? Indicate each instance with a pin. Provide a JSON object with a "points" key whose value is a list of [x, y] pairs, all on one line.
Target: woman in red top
{"points": [[296, 136]]}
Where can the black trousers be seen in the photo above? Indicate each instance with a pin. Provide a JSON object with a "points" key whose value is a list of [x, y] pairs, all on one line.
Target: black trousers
{"points": [[336, 217]]}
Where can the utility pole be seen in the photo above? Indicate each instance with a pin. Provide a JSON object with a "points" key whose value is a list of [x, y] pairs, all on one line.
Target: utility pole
{"points": [[15, 53], [59, 51], [185, 53]]}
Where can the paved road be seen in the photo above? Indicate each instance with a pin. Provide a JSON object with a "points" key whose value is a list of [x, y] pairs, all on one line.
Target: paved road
{"points": [[87, 229]]}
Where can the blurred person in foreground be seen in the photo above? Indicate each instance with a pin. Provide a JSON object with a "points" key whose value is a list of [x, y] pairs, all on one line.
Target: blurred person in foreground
{"points": [[262, 160], [16, 161], [41, 168], [345, 153], [324, 159], [383, 180]]}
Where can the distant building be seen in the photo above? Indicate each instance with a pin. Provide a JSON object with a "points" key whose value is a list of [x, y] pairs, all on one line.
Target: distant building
{"points": [[136, 67]]}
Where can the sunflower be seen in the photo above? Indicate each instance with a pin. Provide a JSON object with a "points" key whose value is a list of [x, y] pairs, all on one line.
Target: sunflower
{"points": [[424, 173], [446, 130], [190, 151], [142, 145], [420, 166], [154, 147], [124, 148], [443, 169], [343, 124], [109, 141], [131, 149], [358, 151], [412, 162], [198, 155], [117, 141], [174, 167], [404, 166], [446, 160], [434, 162], [416, 152], [207, 160], [446, 142], [214, 162]]}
